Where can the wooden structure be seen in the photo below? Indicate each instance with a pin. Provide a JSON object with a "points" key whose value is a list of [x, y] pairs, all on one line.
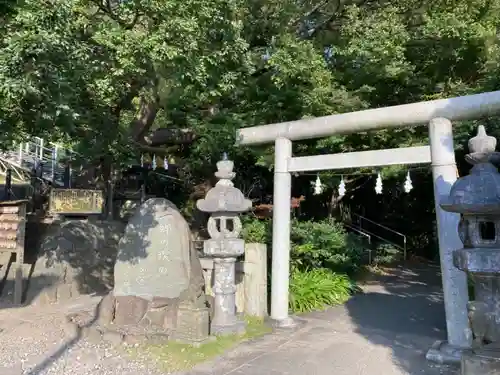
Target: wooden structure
{"points": [[12, 235]]}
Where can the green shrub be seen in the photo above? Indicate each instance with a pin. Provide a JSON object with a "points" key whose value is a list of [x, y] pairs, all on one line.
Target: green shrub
{"points": [[386, 253], [256, 230], [316, 289], [324, 244]]}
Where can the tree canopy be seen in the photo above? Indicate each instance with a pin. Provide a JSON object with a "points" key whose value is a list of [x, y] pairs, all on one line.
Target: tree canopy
{"points": [[109, 72], [177, 78]]}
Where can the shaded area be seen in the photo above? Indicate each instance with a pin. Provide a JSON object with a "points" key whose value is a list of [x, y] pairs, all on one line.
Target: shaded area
{"points": [[81, 252], [402, 309], [34, 231], [73, 256], [83, 255], [64, 259]]}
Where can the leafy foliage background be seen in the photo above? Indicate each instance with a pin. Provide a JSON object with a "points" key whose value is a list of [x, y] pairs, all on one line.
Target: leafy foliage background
{"points": [[101, 75]]}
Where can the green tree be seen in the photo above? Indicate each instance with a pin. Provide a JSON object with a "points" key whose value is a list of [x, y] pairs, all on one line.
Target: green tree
{"points": [[176, 78]]}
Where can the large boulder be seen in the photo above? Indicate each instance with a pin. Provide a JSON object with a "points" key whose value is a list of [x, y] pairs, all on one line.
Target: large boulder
{"points": [[157, 269], [75, 257]]}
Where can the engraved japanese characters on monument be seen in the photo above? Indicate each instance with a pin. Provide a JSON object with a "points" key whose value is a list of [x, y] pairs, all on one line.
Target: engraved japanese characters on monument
{"points": [[153, 255]]}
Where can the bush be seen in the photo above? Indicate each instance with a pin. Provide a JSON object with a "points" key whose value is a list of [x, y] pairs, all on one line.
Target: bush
{"points": [[255, 230], [318, 249], [386, 253], [316, 289], [324, 244]]}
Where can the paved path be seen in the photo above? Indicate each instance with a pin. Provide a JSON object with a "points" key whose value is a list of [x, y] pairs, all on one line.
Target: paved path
{"points": [[386, 330]]}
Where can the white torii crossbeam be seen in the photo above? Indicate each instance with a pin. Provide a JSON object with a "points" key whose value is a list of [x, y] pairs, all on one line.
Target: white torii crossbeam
{"points": [[363, 159], [438, 114]]}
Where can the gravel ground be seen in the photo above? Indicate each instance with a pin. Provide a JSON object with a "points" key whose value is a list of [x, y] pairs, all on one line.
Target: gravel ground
{"points": [[37, 341]]}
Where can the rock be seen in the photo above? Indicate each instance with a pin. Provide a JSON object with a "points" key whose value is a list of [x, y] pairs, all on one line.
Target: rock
{"points": [[76, 257], [130, 309], [156, 317], [153, 255], [106, 310], [156, 270], [113, 337]]}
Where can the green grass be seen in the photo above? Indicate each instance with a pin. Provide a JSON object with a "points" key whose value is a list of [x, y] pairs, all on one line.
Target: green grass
{"points": [[317, 289], [176, 356]]}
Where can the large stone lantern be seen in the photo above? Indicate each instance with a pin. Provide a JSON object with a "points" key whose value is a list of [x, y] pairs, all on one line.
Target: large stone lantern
{"points": [[224, 202], [477, 198]]}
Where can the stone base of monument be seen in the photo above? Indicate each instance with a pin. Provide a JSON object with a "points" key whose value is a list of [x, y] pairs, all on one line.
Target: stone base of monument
{"points": [[129, 320], [86, 325], [485, 361], [133, 320], [192, 325]]}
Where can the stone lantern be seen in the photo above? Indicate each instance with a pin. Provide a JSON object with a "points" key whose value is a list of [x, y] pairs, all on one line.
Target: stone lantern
{"points": [[477, 198], [224, 202]]}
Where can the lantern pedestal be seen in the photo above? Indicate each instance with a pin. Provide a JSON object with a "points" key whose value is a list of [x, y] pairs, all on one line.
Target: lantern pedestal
{"points": [[225, 252]]}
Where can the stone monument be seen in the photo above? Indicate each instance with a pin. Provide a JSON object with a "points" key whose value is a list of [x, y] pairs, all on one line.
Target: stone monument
{"points": [[158, 280], [477, 198], [224, 202]]}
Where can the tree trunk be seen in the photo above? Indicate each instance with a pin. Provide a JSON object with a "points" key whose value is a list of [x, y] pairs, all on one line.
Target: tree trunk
{"points": [[148, 109], [335, 206]]}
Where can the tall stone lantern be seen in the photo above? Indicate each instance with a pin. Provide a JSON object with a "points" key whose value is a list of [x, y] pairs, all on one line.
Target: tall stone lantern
{"points": [[224, 202], [477, 198]]}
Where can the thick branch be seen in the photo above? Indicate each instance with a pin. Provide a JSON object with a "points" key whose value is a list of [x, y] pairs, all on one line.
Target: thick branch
{"points": [[165, 136], [148, 109], [311, 11]]}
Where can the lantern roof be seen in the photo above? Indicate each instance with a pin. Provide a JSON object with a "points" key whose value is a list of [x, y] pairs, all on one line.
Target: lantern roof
{"points": [[478, 192], [224, 197]]}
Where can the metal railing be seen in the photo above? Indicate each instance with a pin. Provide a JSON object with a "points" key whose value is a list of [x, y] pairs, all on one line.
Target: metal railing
{"points": [[35, 153], [361, 233], [375, 230]]}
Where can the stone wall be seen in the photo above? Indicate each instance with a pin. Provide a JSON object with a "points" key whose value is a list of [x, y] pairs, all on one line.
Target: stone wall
{"points": [[77, 257], [251, 280]]}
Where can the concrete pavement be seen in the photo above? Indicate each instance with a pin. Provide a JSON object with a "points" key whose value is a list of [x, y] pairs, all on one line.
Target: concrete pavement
{"points": [[385, 330]]}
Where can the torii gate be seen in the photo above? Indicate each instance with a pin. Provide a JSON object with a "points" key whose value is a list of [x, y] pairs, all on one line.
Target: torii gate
{"points": [[438, 114]]}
